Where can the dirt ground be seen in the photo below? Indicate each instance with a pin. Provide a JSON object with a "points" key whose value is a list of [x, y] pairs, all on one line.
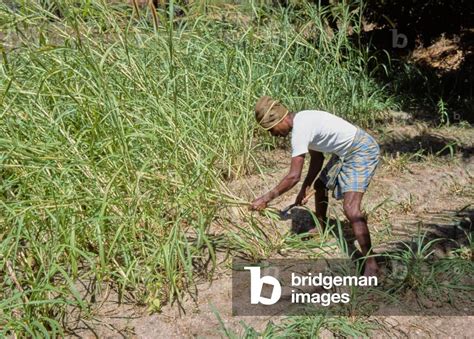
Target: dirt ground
{"points": [[417, 183]]}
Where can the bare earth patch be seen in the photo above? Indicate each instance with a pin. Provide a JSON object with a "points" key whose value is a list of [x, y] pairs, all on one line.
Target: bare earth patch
{"points": [[409, 192]]}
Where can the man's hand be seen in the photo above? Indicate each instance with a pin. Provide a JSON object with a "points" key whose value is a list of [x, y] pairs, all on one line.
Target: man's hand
{"points": [[303, 196], [300, 197], [317, 159], [259, 204], [285, 184]]}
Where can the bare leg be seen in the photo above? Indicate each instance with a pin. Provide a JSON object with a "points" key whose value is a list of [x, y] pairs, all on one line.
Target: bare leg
{"points": [[321, 202], [352, 201]]}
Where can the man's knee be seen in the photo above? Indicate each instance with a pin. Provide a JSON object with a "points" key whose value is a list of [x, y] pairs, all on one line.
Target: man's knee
{"points": [[353, 213]]}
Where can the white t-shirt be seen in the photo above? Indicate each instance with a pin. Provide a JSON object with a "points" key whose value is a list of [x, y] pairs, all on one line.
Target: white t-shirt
{"points": [[321, 131]]}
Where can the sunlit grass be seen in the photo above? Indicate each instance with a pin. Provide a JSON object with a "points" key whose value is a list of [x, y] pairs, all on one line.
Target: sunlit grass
{"points": [[117, 137]]}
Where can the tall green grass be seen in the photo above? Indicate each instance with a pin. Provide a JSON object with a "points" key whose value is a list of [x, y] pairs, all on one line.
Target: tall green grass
{"points": [[117, 137]]}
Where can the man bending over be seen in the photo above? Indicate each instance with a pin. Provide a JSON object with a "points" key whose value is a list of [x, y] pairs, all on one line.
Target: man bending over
{"points": [[355, 156]]}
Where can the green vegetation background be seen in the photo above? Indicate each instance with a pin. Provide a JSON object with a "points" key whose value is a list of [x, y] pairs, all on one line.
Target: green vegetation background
{"points": [[119, 130]]}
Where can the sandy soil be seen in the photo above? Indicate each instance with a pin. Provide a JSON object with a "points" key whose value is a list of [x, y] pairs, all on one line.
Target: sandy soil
{"points": [[407, 191]]}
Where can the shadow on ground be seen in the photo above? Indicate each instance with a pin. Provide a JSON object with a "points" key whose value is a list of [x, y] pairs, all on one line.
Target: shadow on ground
{"points": [[430, 58], [448, 231], [425, 143]]}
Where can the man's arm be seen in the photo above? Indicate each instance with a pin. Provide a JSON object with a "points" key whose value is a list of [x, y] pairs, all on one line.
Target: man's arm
{"points": [[290, 180], [316, 162]]}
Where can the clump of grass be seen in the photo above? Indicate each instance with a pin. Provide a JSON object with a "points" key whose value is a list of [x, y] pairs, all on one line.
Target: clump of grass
{"points": [[304, 327], [415, 270], [118, 136]]}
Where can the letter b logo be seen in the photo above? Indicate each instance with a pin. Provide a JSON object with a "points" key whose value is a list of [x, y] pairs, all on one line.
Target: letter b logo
{"points": [[396, 38], [256, 285]]}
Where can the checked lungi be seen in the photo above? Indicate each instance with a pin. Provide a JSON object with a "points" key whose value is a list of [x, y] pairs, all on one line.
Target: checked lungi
{"points": [[353, 172]]}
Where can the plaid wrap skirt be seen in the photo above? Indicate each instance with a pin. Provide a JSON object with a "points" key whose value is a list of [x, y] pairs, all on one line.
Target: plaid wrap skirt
{"points": [[353, 172]]}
